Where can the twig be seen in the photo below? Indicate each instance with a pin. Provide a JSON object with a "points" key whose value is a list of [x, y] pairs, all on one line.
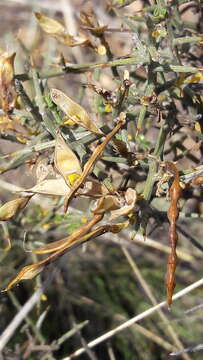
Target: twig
{"points": [[69, 19], [81, 68], [153, 337], [19, 318], [28, 105], [150, 295], [45, 113], [110, 352], [28, 320], [70, 333], [191, 349], [133, 320]]}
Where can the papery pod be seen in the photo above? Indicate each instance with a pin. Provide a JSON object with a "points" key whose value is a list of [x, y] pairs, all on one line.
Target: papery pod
{"points": [[7, 89], [74, 111], [66, 162], [30, 271], [65, 243], [175, 192], [11, 208], [89, 165], [105, 204], [57, 30], [55, 187], [52, 247], [27, 273], [129, 205], [93, 189]]}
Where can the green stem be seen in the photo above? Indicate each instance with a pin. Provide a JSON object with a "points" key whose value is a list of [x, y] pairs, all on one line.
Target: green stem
{"points": [[153, 167], [27, 103], [46, 116], [75, 68], [187, 39]]}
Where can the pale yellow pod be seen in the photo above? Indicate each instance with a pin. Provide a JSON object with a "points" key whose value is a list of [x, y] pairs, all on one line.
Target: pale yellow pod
{"points": [[74, 111], [57, 30], [66, 162], [11, 208], [55, 187], [49, 25]]}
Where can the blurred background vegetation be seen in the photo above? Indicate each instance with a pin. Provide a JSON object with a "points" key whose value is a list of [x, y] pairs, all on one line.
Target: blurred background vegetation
{"points": [[107, 281]]}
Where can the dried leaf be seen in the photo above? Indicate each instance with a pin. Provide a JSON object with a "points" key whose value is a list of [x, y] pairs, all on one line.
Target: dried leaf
{"points": [[66, 162], [7, 89], [11, 208], [121, 147], [107, 95], [173, 213], [93, 159], [55, 187], [57, 30], [89, 19], [74, 111]]}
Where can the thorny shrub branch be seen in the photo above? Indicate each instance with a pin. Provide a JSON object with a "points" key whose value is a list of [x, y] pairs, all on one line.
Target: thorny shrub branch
{"points": [[148, 96]]}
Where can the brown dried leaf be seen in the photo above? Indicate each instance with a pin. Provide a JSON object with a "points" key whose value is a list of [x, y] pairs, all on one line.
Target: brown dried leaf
{"points": [[89, 19], [66, 162], [74, 111], [120, 147], [7, 89], [57, 30], [11, 208]]}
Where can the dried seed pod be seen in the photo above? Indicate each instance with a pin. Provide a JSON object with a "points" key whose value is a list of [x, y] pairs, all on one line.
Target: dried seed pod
{"points": [[173, 213], [57, 30], [11, 208], [74, 111], [66, 162], [55, 187]]}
